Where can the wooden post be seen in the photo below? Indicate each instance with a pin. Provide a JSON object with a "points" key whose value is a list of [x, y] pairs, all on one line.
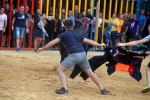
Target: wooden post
{"points": [[127, 4], [85, 5], [79, 5], [110, 7], [91, 5], [132, 8], [54, 7], [66, 17], [73, 4], [97, 19], [47, 8], [116, 5], [121, 6], [60, 10], [103, 23]]}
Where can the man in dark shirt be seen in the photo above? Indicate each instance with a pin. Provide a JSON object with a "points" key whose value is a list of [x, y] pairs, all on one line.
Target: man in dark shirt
{"points": [[51, 26], [21, 24], [37, 32], [73, 43], [90, 18], [6, 33], [124, 27], [77, 18]]}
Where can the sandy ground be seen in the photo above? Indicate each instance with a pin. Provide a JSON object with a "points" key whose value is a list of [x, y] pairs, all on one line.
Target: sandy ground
{"points": [[30, 76]]}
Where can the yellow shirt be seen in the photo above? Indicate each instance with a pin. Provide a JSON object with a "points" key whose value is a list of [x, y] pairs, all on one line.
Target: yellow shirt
{"points": [[115, 21]]}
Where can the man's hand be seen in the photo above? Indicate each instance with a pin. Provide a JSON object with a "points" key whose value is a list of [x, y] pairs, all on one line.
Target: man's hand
{"points": [[103, 45], [124, 33], [12, 28], [136, 34], [40, 49], [148, 53], [4, 30], [55, 30], [142, 29], [27, 30], [121, 44]]}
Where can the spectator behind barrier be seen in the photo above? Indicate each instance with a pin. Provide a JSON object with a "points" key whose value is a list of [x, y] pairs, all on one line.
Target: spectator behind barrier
{"points": [[84, 22], [3, 23], [115, 22], [21, 25], [142, 23], [77, 18], [90, 18]]}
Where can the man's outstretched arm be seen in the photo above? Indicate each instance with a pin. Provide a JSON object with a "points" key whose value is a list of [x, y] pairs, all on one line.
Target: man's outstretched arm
{"points": [[50, 44], [133, 43], [93, 43]]}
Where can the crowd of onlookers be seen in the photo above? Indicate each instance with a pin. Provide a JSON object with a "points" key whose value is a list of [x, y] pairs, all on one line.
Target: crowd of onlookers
{"points": [[120, 28]]}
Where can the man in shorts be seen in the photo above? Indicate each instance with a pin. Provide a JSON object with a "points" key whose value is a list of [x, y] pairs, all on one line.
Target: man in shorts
{"points": [[37, 32], [134, 43], [73, 44], [21, 25]]}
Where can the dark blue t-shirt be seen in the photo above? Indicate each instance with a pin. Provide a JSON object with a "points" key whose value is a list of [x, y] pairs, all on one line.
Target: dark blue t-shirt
{"points": [[20, 19], [72, 41]]}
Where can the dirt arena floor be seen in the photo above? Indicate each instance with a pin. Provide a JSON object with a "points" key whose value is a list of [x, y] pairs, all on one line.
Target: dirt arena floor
{"points": [[27, 75]]}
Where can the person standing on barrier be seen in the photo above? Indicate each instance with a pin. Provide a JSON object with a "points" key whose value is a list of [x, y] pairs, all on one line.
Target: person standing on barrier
{"points": [[3, 23], [73, 43], [21, 25]]}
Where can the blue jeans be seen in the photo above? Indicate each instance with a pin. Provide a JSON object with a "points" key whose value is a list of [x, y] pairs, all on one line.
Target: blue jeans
{"points": [[122, 36], [140, 33], [19, 32], [113, 38]]}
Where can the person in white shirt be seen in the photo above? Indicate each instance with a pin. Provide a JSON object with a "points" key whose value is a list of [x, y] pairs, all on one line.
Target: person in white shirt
{"points": [[99, 27], [3, 22]]}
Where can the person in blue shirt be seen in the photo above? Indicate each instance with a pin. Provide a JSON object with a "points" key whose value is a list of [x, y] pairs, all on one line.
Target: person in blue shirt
{"points": [[21, 24], [142, 23], [70, 17], [73, 44]]}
